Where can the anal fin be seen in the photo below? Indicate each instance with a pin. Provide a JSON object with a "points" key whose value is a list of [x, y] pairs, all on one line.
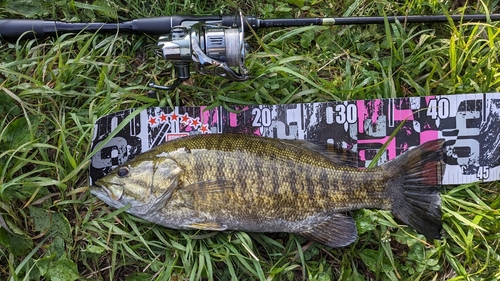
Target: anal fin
{"points": [[337, 230]]}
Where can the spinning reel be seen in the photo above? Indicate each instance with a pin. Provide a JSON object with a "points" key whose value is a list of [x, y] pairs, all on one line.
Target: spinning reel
{"points": [[212, 49]]}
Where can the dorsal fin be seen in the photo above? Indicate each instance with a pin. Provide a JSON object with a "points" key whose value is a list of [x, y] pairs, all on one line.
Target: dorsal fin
{"points": [[342, 155], [338, 155]]}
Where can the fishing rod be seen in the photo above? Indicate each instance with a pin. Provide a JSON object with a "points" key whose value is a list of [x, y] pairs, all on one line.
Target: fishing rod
{"points": [[214, 45]]}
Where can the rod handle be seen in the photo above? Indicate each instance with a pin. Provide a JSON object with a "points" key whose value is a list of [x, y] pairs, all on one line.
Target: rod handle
{"points": [[11, 29]]}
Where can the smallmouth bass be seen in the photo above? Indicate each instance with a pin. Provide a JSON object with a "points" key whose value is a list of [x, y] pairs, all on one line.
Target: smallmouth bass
{"points": [[257, 184]]}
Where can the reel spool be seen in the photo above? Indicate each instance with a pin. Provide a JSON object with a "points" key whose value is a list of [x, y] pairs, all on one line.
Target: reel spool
{"points": [[212, 49]]}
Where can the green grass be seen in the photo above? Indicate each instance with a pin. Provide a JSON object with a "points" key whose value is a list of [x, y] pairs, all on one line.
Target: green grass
{"points": [[52, 91]]}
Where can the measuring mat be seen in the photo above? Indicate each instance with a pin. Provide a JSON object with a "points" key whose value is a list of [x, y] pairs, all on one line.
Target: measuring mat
{"points": [[470, 124]]}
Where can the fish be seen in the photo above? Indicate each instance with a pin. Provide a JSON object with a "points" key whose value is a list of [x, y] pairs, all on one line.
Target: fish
{"points": [[237, 182]]}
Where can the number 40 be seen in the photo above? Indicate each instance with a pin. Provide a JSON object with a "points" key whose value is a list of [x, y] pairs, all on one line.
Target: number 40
{"points": [[439, 108]]}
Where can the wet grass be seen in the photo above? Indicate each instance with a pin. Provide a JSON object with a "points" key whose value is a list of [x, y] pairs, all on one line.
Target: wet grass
{"points": [[52, 91]]}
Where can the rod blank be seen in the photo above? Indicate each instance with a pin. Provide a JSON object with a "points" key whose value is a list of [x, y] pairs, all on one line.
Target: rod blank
{"points": [[12, 29], [376, 20]]}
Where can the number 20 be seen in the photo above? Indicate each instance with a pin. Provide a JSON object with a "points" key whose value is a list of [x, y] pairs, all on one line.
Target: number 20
{"points": [[262, 117]]}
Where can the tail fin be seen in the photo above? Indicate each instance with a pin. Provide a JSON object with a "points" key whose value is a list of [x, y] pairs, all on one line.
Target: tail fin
{"points": [[415, 187]]}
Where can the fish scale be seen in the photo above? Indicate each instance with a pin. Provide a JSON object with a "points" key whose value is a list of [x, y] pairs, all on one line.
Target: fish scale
{"points": [[268, 178], [250, 183]]}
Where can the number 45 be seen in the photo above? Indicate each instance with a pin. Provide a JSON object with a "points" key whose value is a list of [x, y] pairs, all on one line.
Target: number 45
{"points": [[483, 172]]}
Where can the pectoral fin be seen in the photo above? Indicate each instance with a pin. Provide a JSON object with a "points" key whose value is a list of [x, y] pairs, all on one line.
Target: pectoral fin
{"points": [[336, 231], [214, 226], [209, 194], [208, 187]]}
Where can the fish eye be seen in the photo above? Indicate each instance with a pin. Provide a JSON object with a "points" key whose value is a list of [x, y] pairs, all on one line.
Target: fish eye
{"points": [[122, 172]]}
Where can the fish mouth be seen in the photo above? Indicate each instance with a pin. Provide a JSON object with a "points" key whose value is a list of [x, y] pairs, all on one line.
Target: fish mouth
{"points": [[104, 190], [99, 191]]}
